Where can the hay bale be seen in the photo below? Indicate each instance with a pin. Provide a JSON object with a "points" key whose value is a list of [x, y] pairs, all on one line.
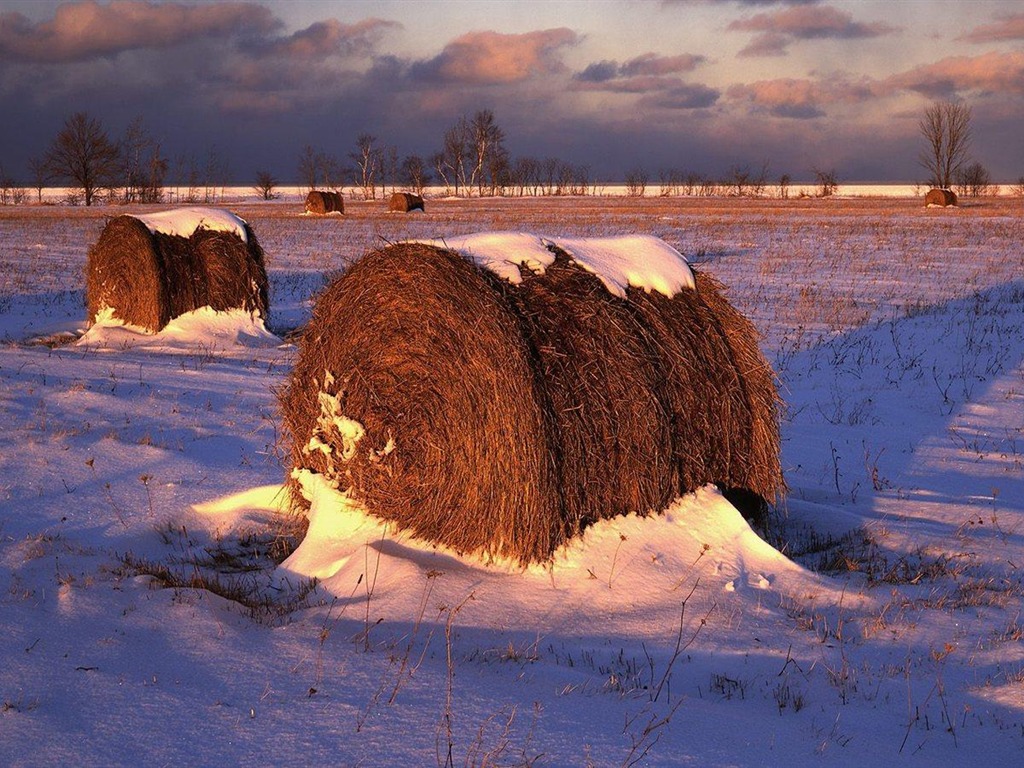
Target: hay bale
{"points": [[418, 346], [939, 198], [323, 202], [404, 202], [506, 418], [149, 271]]}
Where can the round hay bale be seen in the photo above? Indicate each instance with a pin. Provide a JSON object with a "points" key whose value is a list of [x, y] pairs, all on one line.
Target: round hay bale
{"points": [[323, 202], [146, 278], [604, 383], [236, 274], [506, 418], [417, 345], [940, 198], [404, 202]]}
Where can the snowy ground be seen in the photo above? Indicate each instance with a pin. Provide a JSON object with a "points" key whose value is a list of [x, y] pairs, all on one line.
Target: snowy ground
{"points": [[890, 630]]}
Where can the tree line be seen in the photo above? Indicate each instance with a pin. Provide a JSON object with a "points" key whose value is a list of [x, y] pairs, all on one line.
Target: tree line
{"points": [[472, 160]]}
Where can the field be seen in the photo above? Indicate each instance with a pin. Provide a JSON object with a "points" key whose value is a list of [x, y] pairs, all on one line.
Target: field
{"points": [[144, 619]]}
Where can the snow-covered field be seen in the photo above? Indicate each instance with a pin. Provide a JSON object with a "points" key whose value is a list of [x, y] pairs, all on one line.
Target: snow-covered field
{"points": [[883, 624]]}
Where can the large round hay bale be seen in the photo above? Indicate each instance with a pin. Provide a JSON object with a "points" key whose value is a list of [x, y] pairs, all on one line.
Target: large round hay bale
{"points": [[940, 198], [146, 276], [404, 202], [418, 346], [505, 418], [322, 202]]}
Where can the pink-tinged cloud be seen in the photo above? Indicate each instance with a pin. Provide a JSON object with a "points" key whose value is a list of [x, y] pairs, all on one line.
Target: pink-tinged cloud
{"points": [[86, 30], [1010, 26], [777, 28], [493, 58], [988, 73], [801, 98], [331, 38], [767, 44]]}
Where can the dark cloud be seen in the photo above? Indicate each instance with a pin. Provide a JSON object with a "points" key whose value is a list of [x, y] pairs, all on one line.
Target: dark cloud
{"points": [[645, 74], [87, 30], [491, 58], [683, 97], [1009, 26]]}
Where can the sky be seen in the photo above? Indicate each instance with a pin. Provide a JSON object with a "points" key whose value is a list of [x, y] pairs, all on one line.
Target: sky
{"points": [[699, 86]]}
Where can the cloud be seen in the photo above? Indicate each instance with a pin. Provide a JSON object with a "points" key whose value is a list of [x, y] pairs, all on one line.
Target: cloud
{"points": [[683, 96], [1010, 26], [88, 30], [986, 74], [779, 28], [330, 38], [649, 64], [739, 2], [647, 73], [801, 99], [491, 58]]}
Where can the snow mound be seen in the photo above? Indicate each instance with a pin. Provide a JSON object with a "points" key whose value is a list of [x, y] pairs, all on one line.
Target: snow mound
{"points": [[182, 222], [204, 328], [624, 574], [641, 261]]}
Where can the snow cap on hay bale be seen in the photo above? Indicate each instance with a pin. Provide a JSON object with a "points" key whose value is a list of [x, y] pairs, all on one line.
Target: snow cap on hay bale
{"points": [[321, 202], [940, 197], [505, 415], [404, 202], [150, 269]]}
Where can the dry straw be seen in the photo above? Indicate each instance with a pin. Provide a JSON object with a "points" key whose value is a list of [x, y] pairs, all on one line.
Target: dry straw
{"points": [[506, 418], [149, 278], [319, 202], [404, 202]]}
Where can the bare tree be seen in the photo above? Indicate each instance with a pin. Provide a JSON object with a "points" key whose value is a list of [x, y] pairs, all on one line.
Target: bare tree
{"points": [[454, 155], [308, 167], [265, 185], [143, 167], [1018, 188], [367, 158], [39, 174], [784, 182], [973, 180], [84, 154], [415, 173], [827, 181], [636, 182], [946, 128], [488, 150]]}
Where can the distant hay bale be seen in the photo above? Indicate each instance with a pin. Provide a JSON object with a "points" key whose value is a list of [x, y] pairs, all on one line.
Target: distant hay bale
{"points": [[150, 277], [404, 202], [504, 418], [940, 197], [322, 202]]}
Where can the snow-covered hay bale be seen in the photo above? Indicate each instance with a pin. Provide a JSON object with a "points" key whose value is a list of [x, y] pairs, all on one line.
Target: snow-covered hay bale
{"points": [[323, 202], [505, 415], [940, 198], [146, 270], [404, 202]]}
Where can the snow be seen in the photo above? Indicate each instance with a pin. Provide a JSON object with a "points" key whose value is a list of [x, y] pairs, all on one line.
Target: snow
{"points": [[884, 626], [641, 261], [500, 252], [184, 221]]}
